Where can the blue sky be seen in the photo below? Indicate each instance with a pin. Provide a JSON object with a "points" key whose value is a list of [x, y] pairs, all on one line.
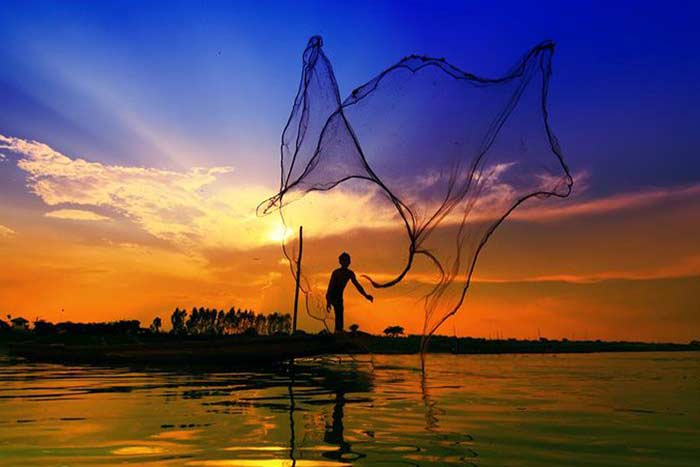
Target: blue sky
{"points": [[178, 85]]}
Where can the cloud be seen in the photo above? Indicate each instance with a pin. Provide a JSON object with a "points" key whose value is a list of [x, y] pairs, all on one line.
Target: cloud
{"points": [[195, 210], [192, 209], [688, 267], [6, 232], [167, 204], [618, 202], [76, 215]]}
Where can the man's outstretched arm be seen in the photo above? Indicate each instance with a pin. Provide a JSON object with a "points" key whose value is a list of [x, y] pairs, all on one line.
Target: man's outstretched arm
{"points": [[360, 289]]}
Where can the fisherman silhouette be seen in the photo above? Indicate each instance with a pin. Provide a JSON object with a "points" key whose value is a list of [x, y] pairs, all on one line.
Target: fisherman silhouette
{"points": [[336, 287]]}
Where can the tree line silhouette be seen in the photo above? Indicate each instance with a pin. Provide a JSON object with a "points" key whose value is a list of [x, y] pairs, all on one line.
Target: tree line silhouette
{"points": [[212, 322], [199, 322], [45, 328]]}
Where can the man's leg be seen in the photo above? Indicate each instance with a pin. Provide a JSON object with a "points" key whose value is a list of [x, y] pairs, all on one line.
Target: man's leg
{"points": [[338, 308]]}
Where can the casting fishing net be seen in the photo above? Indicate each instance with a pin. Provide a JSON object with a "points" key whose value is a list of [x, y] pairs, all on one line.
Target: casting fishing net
{"points": [[412, 173]]}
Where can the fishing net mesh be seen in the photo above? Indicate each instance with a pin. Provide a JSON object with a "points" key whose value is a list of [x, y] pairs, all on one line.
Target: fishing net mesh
{"points": [[416, 169]]}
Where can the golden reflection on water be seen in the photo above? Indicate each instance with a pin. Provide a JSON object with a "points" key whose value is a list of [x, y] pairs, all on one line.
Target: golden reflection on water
{"points": [[265, 463], [137, 450], [615, 409], [178, 435]]}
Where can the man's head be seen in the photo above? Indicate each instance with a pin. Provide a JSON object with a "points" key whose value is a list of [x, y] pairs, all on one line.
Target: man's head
{"points": [[344, 259]]}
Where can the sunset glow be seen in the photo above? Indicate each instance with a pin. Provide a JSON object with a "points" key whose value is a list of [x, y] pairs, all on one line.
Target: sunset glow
{"points": [[130, 186]]}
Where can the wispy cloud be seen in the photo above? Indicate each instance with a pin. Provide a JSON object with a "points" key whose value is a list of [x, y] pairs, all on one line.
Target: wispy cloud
{"points": [[190, 209], [618, 202], [6, 232], [167, 204], [689, 267], [76, 215]]}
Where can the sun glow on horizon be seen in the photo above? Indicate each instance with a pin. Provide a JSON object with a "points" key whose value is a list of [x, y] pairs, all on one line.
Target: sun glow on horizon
{"points": [[279, 233]]}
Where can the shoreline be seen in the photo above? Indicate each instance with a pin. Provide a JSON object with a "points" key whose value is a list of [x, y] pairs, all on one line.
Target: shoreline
{"points": [[479, 346], [162, 348]]}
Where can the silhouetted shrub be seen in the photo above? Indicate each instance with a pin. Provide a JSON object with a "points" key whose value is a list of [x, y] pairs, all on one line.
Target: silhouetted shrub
{"points": [[394, 331], [19, 324], [44, 327], [123, 327]]}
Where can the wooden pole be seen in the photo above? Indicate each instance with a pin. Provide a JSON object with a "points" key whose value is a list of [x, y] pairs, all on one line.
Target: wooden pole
{"points": [[296, 291]]}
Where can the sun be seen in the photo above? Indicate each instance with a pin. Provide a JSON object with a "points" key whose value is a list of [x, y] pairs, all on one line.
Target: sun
{"points": [[279, 233]]}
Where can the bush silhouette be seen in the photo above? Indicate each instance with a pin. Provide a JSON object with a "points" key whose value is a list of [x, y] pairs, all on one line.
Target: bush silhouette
{"points": [[394, 331], [156, 325]]}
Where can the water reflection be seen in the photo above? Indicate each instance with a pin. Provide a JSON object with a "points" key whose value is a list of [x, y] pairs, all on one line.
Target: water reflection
{"points": [[339, 381], [526, 410], [334, 431], [431, 420]]}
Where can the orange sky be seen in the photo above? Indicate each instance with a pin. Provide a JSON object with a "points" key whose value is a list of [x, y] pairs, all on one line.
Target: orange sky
{"points": [[113, 242]]}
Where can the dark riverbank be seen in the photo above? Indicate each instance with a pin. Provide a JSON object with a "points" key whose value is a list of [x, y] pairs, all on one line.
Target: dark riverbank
{"points": [[472, 345], [164, 348]]}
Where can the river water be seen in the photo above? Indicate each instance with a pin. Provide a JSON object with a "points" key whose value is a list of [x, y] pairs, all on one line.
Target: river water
{"points": [[632, 409]]}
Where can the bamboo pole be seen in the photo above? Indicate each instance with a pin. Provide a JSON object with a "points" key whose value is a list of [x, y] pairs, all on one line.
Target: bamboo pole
{"points": [[298, 278]]}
